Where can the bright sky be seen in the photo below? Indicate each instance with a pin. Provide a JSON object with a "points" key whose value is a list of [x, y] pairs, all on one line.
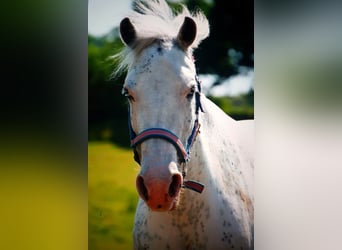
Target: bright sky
{"points": [[232, 86], [235, 85], [103, 15]]}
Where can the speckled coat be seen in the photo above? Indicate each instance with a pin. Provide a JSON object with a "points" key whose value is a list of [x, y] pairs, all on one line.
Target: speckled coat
{"points": [[222, 216]]}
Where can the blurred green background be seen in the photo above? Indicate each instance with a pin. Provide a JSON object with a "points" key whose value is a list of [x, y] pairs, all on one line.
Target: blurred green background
{"points": [[226, 54]]}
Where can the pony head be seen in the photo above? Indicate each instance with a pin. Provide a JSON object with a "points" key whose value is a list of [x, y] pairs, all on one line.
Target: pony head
{"points": [[160, 87]]}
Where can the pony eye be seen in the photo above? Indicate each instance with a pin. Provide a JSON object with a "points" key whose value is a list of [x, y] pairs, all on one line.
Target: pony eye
{"points": [[126, 94], [191, 92]]}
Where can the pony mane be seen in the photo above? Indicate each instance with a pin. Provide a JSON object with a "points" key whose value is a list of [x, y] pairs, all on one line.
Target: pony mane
{"points": [[154, 20]]}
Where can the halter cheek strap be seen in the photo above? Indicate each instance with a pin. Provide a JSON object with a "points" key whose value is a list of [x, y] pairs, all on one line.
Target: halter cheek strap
{"points": [[183, 152]]}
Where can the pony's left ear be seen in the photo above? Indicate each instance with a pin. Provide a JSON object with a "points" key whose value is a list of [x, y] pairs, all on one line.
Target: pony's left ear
{"points": [[127, 32], [187, 33]]}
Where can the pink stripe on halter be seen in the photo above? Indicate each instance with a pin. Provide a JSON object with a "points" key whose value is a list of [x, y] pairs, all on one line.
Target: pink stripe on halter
{"points": [[161, 133]]}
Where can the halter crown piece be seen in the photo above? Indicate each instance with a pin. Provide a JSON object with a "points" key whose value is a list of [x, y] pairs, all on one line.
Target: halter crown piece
{"points": [[183, 151]]}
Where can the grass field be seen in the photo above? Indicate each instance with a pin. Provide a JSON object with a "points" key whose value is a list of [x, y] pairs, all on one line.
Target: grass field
{"points": [[112, 196]]}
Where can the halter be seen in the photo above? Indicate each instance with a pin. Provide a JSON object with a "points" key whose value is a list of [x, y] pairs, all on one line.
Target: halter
{"points": [[182, 151]]}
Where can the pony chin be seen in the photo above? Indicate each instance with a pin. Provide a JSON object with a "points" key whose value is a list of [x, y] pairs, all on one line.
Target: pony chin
{"points": [[170, 206]]}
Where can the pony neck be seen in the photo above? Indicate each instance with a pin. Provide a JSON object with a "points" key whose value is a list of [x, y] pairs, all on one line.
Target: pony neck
{"points": [[220, 159], [216, 133]]}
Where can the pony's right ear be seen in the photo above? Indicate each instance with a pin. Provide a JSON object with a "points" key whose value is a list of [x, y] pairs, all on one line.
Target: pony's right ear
{"points": [[127, 32]]}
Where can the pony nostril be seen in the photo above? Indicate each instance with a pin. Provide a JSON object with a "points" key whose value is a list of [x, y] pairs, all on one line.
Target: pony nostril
{"points": [[142, 188], [175, 185]]}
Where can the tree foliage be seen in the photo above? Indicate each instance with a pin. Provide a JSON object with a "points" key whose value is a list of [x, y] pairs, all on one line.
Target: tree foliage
{"points": [[231, 40]]}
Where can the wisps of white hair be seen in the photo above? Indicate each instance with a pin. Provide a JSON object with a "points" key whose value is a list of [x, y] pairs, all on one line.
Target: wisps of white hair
{"points": [[154, 19]]}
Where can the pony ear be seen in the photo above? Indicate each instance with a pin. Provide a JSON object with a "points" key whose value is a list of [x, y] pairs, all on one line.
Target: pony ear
{"points": [[127, 32], [187, 33]]}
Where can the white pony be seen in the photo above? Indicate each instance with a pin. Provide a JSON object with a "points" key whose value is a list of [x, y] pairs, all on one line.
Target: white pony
{"points": [[169, 117]]}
